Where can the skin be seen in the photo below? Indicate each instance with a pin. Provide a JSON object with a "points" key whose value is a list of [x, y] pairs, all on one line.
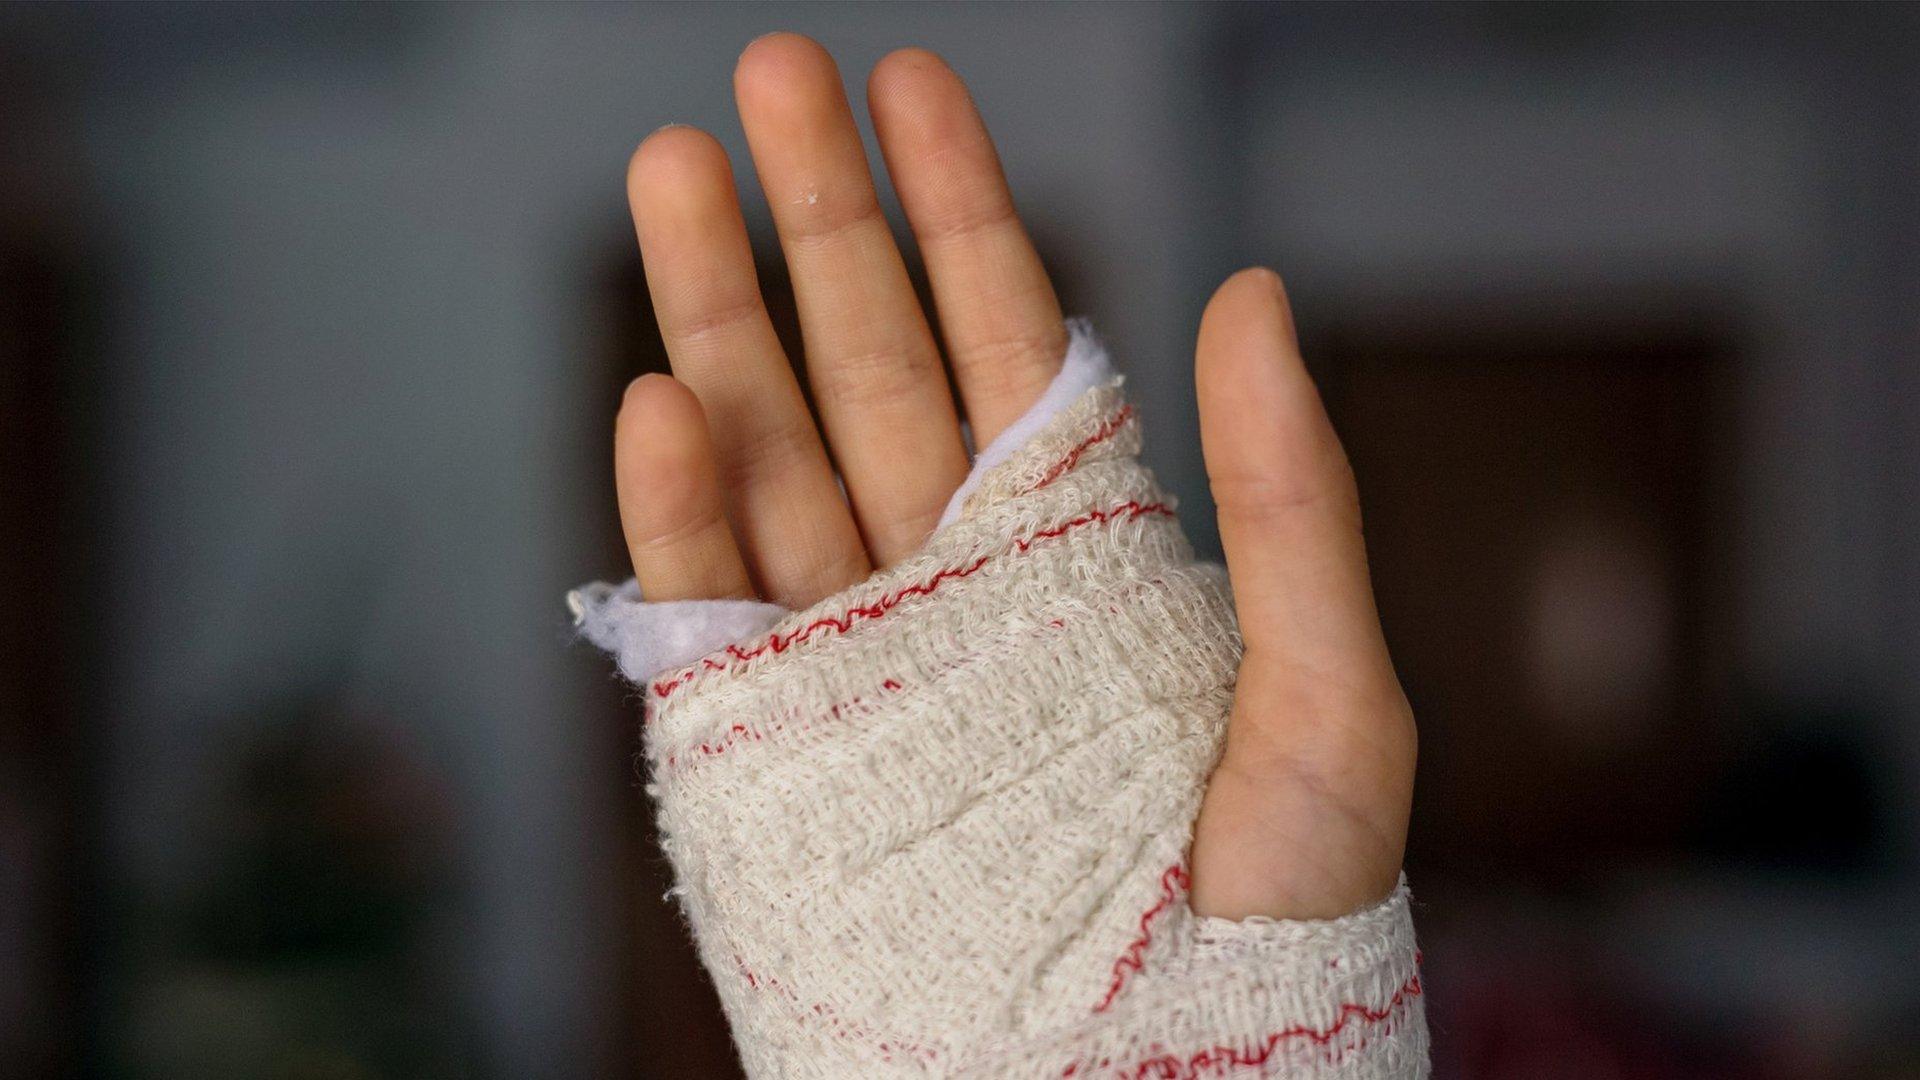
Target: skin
{"points": [[728, 489]]}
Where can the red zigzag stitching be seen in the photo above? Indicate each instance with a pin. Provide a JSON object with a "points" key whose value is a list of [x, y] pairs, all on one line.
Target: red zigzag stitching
{"points": [[1220, 1058], [734, 655], [1173, 882], [1104, 432]]}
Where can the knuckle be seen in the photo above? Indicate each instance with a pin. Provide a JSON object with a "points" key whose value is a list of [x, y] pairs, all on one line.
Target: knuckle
{"points": [[715, 317], [833, 571], [667, 537], [1005, 366], [818, 221], [1280, 493], [965, 217], [766, 454], [876, 378]]}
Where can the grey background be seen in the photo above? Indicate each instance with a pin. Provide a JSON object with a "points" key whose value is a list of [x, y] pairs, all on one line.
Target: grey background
{"points": [[342, 405]]}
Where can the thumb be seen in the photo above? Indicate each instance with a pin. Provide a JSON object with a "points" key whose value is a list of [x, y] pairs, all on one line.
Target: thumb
{"points": [[1306, 815]]}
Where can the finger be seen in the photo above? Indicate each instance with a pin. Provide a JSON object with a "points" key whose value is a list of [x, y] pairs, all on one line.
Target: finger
{"points": [[999, 318], [1289, 513], [1306, 814], [796, 533], [670, 503], [875, 370]]}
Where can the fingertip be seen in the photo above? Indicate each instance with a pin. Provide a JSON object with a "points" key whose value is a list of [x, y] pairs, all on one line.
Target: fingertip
{"points": [[1249, 292], [651, 387], [1247, 321], [776, 44], [670, 158], [774, 65], [660, 420], [1261, 277], [905, 69], [922, 109]]}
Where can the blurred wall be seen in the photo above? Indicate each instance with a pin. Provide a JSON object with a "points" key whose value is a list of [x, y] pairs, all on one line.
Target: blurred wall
{"points": [[341, 274]]}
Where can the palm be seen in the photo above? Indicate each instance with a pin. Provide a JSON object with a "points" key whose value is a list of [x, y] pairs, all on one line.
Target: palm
{"points": [[728, 490]]}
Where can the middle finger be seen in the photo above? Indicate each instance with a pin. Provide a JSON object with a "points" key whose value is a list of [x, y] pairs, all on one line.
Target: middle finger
{"points": [[871, 357]]}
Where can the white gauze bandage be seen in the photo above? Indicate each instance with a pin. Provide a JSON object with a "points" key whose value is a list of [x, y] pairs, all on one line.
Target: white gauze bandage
{"points": [[937, 825]]}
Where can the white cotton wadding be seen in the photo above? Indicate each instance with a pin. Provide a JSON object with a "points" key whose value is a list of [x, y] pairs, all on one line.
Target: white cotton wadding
{"points": [[649, 637], [1085, 367]]}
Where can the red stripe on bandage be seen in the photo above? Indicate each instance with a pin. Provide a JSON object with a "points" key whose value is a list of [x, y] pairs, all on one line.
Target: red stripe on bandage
{"points": [[1105, 431], [1218, 1060], [1173, 882], [734, 656]]}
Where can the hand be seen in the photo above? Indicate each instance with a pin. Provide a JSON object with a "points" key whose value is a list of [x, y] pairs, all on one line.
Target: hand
{"points": [[727, 489]]}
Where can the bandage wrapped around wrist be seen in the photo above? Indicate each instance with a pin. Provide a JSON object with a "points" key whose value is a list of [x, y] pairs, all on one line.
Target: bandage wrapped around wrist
{"points": [[937, 824]]}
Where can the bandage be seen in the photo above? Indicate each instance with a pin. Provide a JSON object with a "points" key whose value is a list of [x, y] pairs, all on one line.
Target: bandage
{"points": [[937, 824]]}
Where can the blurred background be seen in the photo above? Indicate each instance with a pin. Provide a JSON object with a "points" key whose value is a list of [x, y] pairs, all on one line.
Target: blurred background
{"points": [[312, 324]]}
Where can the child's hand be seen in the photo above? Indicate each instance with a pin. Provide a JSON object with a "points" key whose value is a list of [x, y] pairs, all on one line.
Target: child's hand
{"points": [[726, 488]]}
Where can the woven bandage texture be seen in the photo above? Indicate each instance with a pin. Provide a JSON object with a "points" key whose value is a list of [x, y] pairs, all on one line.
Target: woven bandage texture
{"points": [[937, 824]]}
